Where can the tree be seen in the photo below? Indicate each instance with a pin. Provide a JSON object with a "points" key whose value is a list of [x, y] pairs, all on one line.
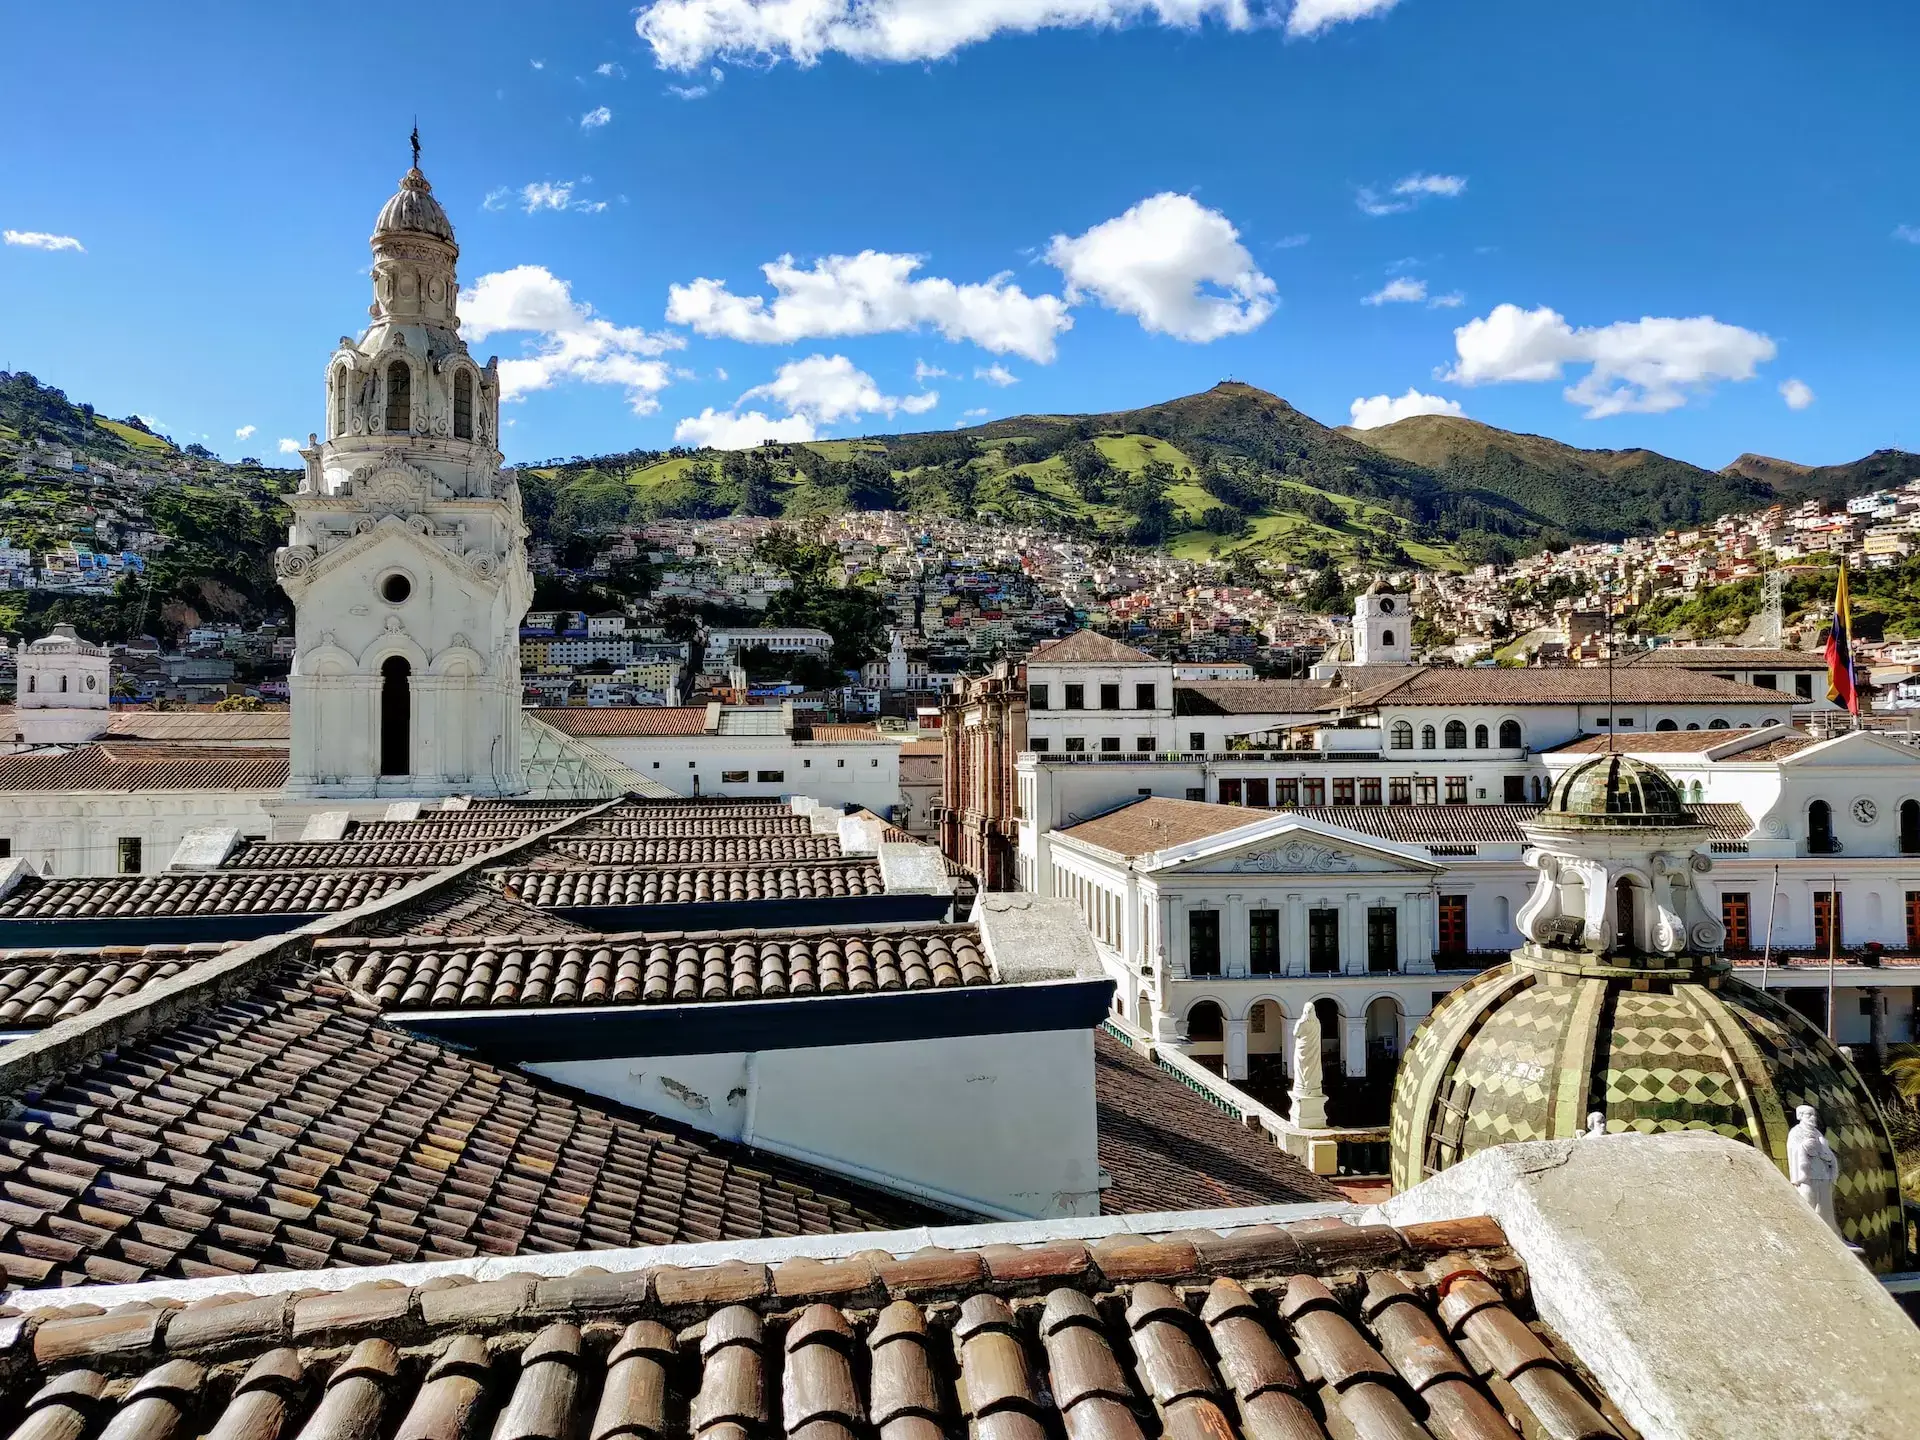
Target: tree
{"points": [[238, 703]]}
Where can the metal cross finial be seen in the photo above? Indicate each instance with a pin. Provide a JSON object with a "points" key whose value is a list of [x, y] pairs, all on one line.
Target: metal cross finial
{"points": [[415, 138]]}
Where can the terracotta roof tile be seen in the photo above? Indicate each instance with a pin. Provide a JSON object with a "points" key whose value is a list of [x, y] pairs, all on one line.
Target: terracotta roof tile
{"points": [[692, 884], [289, 1128], [569, 849], [628, 721], [1155, 822], [840, 734], [112, 765], [574, 969], [209, 727], [1746, 742], [1258, 697], [40, 986], [1167, 1149], [1730, 657], [215, 892], [624, 824], [431, 854], [1247, 1335], [1566, 685], [1086, 647]]}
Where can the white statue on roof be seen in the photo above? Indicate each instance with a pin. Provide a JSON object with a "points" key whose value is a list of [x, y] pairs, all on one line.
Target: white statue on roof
{"points": [[1309, 1093], [1811, 1164]]}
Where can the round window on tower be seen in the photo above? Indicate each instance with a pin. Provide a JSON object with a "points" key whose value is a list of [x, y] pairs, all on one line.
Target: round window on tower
{"points": [[93, 682], [395, 588], [1386, 607]]}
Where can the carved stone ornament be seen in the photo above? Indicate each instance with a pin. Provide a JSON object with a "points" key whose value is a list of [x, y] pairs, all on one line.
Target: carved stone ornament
{"points": [[484, 565], [1294, 857], [293, 561]]}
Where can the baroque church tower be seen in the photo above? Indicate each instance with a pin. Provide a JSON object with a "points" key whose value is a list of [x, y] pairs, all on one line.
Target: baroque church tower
{"points": [[406, 562]]}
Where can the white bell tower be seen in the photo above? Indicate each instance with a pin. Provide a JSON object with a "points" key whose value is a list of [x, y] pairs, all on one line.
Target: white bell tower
{"points": [[407, 562], [1382, 629], [63, 689]]}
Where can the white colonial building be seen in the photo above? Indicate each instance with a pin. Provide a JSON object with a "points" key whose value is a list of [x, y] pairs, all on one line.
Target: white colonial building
{"points": [[62, 690], [407, 563]]}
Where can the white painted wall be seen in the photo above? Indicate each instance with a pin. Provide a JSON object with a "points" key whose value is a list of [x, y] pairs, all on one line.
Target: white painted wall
{"points": [[77, 832], [838, 773], [998, 1125]]}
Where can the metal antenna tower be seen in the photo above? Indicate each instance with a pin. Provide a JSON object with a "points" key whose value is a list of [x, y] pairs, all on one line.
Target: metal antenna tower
{"points": [[1773, 618]]}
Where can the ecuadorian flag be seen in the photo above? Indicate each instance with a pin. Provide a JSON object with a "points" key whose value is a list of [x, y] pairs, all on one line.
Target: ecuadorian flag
{"points": [[1840, 650]]}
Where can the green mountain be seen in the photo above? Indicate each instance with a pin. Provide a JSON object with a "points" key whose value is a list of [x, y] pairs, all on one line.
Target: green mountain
{"points": [[1831, 484], [221, 522]]}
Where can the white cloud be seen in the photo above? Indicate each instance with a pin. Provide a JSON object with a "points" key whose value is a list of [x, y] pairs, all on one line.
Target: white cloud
{"points": [[569, 341], [700, 92], [496, 198], [720, 430], [538, 64], [289, 447], [1398, 291], [1908, 233], [1371, 411], [689, 33], [547, 195], [1797, 393], [1409, 191], [869, 294], [1176, 265], [610, 71], [1310, 17], [41, 240], [1291, 242], [1637, 366], [1452, 300], [923, 372], [997, 375], [920, 404], [975, 414], [595, 118], [245, 432]]}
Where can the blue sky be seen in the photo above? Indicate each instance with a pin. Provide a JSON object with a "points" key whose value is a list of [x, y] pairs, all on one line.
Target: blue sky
{"points": [[1690, 226]]}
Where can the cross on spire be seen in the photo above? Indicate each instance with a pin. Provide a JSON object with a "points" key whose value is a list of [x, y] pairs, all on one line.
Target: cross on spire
{"points": [[415, 138]]}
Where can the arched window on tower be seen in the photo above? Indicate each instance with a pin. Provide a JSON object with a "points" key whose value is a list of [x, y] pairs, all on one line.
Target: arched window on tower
{"points": [[396, 717], [340, 401], [1456, 735], [1910, 827], [1479, 737], [1400, 737], [1386, 639], [1509, 734], [399, 398], [463, 406], [1426, 737]]}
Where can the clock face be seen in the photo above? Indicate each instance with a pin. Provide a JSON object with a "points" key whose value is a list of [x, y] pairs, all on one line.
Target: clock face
{"points": [[1864, 810], [92, 682], [1386, 607]]}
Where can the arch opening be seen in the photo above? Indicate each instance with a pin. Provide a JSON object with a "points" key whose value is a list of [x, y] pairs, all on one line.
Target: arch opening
{"points": [[399, 398], [463, 406], [396, 716]]}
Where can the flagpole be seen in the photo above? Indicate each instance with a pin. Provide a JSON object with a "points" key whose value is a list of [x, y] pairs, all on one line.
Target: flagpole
{"points": [[1773, 899], [1833, 941]]}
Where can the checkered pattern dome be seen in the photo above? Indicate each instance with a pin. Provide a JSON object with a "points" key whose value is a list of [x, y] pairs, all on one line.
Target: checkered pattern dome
{"points": [[1615, 790], [1528, 1050]]}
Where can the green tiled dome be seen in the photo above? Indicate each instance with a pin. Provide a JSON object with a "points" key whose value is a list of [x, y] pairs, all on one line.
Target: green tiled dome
{"points": [[1612, 791], [1529, 1049]]}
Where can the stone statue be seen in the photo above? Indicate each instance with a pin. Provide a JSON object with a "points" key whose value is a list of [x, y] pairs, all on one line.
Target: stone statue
{"points": [[1596, 1125], [1309, 1094], [1811, 1164]]}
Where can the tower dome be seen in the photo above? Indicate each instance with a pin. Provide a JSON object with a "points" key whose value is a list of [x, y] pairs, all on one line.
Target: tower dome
{"points": [[1618, 1005], [413, 210]]}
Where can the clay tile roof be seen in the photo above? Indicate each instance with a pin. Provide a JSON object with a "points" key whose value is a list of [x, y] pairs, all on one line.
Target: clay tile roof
{"points": [[923, 749], [288, 1128], [213, 892], [1165, 1148], [1555, 685], [113, 765], [38, 987], [692, 884], [201, 726], [622, 825], [688, 849], [1086, 647], [1730, 657], [337, 854], [628, 721], [474, 906], [1779, 747], [680, 968], [1674, 742], [841, 734], [1258, 697], [1155, 822], [1303, 1330]]}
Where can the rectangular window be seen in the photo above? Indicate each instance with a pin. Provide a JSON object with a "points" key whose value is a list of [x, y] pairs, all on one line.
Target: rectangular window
{"points": [[1110, 744], [1736, 915], [1036, 697], [1039, 744], [1803, 686], [1370, 792], [1343, 792], [1197, 792], [1287, 791], [1829, 921], [1400, 790], [1426, 790], [733, 777], [1313, 792], [1913, 921], [129, 850], [772, 777], [1203, 942], [1143, 697], [1229, 792], [1383, 939], [1109, 697], [1453, 924], [6, 848], [1076, 744], [1323, 942], [1143, 744], [1767, 682], [1514, 789], [1263, 942], [1196, 740], [1076, 697], [1456, 789], [1257, 792]]}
